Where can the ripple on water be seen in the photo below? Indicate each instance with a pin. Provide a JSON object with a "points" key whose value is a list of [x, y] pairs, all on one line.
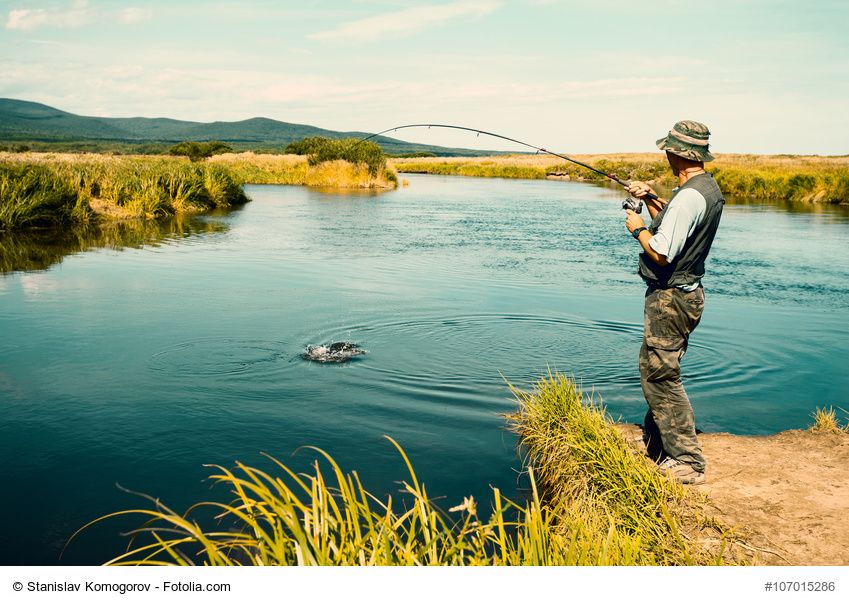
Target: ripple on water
{"points": [[456, 360], [219, 357]]}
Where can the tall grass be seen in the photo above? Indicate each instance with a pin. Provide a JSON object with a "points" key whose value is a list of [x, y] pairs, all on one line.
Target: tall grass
{"points": [[36, 196], [48, 189], [596, 503], [809, 179], [590, 476]]}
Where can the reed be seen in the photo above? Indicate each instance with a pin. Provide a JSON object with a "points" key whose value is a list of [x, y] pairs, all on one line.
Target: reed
{"points": [[124, 187], [591, 501], [589, 474], [37, 196]]}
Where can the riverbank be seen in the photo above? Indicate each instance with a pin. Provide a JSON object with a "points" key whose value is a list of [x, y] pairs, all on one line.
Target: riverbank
{"points": [[46, 189], [808, 179], [788, 492]]}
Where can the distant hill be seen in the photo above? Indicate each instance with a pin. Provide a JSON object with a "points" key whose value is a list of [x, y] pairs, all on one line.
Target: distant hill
{"points": [[29, 122]]}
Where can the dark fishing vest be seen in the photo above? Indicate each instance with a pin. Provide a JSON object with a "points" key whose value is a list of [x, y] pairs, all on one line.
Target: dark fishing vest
{"points": [[689, 266]]}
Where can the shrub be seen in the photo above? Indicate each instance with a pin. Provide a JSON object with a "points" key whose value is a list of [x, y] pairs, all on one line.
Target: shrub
{"points": [[305, 147], [355, 151], [197, 151]]}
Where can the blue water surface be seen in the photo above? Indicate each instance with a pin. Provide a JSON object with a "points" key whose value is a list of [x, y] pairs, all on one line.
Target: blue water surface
{"points": [[138, 365]]}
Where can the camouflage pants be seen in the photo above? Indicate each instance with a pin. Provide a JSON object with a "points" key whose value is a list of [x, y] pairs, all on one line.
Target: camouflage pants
{"points": [[670, 316]]}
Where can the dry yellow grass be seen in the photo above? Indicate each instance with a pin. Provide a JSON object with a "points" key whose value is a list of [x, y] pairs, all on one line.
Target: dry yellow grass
{"points": [[810, 179], [545, 161], [287, 169], [825, 421], [290, 169]]}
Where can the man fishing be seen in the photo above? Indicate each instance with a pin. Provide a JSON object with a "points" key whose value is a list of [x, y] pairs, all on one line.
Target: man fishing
{"points": [[672, 263]]}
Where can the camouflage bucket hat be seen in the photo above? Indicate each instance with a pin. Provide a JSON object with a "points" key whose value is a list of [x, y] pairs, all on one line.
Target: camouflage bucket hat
{"points": [[688, 139]]}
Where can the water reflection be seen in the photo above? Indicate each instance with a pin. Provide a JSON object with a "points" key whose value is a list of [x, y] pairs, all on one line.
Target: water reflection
{"points": [[38, 249]]}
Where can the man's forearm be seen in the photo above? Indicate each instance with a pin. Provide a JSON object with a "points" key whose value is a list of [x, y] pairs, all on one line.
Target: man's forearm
{"points": [[655, 206], [643, 239]]}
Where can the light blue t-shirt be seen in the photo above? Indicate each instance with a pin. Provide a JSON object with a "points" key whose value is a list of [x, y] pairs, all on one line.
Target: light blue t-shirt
{"points": [[685, 212]]}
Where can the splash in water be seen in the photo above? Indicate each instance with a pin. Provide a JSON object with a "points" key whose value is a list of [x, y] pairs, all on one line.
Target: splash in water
{"points": [[338, 352]]}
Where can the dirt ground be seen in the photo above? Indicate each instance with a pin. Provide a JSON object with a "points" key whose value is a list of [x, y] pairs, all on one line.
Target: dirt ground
{"points": [[789, 492]]}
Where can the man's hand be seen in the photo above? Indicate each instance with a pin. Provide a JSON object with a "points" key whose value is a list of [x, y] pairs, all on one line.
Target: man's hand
{"points": [[639, 189], [633, 221]]}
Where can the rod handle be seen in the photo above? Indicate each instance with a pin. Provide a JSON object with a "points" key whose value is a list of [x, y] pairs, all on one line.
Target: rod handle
{"points": [[625, 184]]}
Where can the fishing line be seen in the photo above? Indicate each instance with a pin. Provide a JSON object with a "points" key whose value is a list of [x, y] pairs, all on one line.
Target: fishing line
{"points": [[479, 132]]}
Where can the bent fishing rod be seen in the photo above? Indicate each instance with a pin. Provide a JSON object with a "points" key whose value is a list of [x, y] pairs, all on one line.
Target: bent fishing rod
{"points": [[631, 203]]}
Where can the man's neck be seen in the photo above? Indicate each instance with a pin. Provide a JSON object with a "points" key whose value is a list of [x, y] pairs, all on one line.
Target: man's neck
{"points": [[688, 173]]}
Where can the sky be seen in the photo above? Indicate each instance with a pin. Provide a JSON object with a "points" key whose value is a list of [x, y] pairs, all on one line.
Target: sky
{"points": [[766, 76]]}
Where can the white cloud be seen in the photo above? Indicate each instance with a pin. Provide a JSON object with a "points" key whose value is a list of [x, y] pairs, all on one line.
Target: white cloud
{"points": [[132, 15], [407, 21], [569, 113], [78, 14], [140, 89]]}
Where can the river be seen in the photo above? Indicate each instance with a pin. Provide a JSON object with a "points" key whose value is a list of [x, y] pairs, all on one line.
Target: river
{"points": [[156, 350]]}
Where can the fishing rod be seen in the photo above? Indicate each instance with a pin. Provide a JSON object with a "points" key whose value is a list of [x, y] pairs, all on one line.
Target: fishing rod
{"points": [[631, 203]]}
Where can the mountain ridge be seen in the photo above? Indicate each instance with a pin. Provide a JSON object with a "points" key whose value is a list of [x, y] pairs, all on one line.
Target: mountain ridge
{"points": [[30, 121]]}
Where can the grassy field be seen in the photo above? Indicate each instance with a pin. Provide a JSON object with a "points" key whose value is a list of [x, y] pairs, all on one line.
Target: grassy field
{"points": [[810, 179], [38, 190], [592, 499]]}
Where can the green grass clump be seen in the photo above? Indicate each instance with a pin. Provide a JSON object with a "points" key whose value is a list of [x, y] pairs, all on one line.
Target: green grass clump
{"points": [[589, 475], [161, 187], [597, 503], [50, 190], [802, 184], [33, 195]]}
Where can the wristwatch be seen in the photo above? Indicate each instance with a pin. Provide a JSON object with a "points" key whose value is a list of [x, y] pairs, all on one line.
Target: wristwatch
{"points": [[636, 233]]}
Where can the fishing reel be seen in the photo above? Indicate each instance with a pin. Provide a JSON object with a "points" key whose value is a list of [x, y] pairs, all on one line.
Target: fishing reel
{"points": [[632, 203]]}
